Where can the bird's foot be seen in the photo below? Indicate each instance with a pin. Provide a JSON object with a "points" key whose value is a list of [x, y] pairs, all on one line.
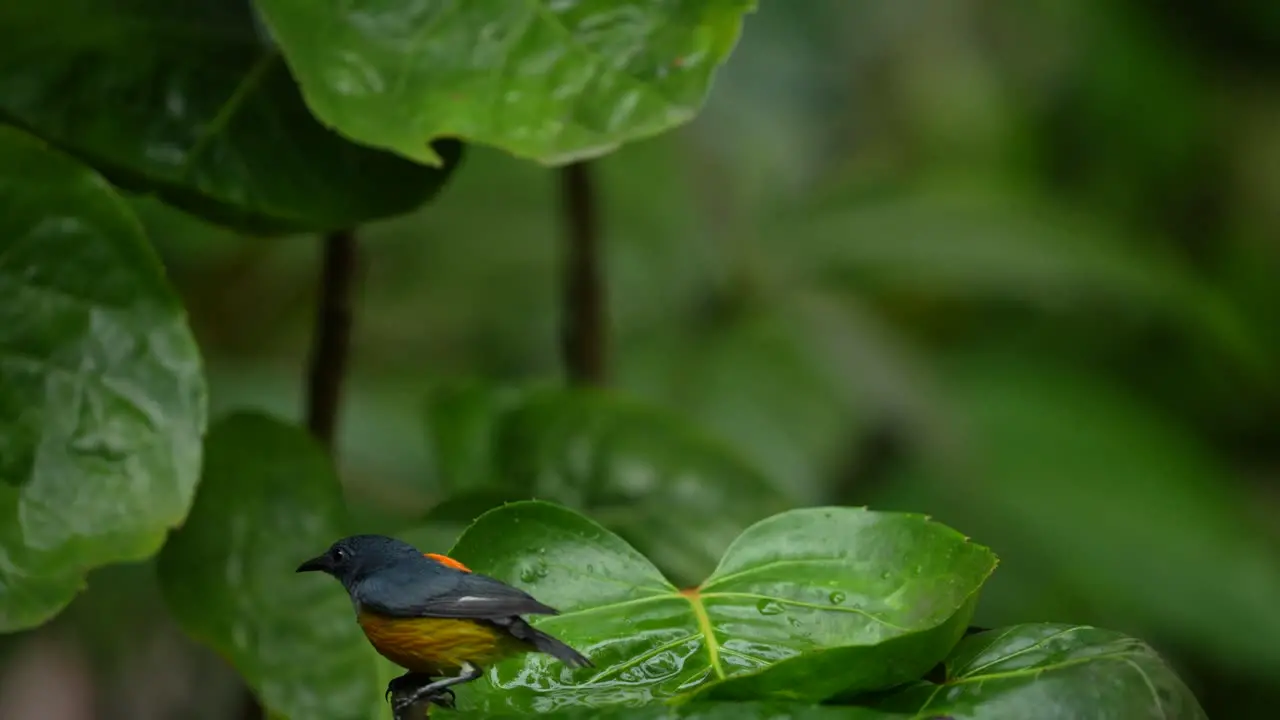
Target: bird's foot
{"points": [[444, 698], [403, 692], [436, 692]]}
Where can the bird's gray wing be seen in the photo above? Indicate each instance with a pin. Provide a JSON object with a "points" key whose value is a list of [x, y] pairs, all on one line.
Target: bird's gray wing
{"points": [[460, 595]]}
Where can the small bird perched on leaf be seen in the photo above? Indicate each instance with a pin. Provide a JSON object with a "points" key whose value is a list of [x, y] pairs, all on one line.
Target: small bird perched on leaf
{"points": [[432, 616]]}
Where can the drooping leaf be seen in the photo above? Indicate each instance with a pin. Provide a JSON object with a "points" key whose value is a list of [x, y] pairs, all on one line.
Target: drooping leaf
{"points": [[269, 500], [677, 495], [102, 399], [191, 102], [551, 81], [796, 583], [1049, 670], [1117, 506]]}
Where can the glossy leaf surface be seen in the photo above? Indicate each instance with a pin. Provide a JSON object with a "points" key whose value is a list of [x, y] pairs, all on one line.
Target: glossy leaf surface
{"points": [[189, 102], [1051, 671], [800, 581], [677, 495], [102, 400], [268, 501], [551, 81]]}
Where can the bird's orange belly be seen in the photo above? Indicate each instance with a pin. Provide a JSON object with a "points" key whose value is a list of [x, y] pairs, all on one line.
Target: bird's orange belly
{"points": [[436, 646]]}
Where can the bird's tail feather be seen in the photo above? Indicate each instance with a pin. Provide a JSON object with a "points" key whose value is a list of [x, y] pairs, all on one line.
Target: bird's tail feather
{"points": [[547, 644]]}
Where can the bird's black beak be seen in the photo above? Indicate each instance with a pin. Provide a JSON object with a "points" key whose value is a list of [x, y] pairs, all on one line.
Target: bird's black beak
{"points": [[320, 564]]}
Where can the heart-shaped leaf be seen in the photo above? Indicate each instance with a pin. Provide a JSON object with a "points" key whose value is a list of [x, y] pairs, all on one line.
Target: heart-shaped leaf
{"points": [[190, 102], [552, 81], [269, 499], [799, 582], [1049, 670], [676, 494], [102, 400]]}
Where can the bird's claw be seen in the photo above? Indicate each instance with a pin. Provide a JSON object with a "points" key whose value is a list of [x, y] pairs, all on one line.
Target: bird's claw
{"points": [[408, 685], [444, 698]]}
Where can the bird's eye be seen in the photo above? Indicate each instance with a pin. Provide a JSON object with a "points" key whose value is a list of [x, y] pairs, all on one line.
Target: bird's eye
{"points": [[340, 554]]}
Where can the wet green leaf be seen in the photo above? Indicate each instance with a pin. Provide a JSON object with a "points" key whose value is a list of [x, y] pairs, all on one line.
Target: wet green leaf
{"points": [[269, 500], [677, 495], [188, 101], [102, 400], [1048, 670], [552, 81], [802, 581]]}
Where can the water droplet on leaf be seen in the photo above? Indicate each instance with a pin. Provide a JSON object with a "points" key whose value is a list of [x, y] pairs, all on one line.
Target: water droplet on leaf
{"points": [[769, 607], [836, 597]]}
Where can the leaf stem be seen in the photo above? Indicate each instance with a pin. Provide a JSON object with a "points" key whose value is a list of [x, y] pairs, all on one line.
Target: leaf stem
{"points": [[584, 334], [332, 340]]}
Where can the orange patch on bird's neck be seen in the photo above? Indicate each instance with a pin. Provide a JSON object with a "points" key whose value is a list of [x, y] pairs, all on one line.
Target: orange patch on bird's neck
{"points": [[448, 562]]}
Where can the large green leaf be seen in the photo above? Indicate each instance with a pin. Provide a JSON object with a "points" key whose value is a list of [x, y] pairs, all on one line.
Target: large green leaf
{"points": [[102, 400], [552, 81], [187, 100], [789, 588], [678, 496], [1102, 496], [269, 499], [1051, 671]]}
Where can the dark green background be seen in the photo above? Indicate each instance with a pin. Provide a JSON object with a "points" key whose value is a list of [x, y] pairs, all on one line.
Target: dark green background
{"points": [[1010, 264]]}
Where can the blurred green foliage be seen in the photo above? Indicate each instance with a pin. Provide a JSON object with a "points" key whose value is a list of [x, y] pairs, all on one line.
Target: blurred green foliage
{"points": [[1011, 265]]}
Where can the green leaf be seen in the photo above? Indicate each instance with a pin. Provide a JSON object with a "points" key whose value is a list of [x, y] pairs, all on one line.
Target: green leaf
{"points": [[1047, 670], [758, 382], [1104, 496], [979, 244], [102, 399], [268, 501], [551, 81], [188, 101], [674, 493], [711, 711], [799, 582]]}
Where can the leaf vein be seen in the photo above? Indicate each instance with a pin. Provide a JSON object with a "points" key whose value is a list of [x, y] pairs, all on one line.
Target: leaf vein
{"points": [[815, 606], [640, 659], [1023, 651], [1150, 686]]}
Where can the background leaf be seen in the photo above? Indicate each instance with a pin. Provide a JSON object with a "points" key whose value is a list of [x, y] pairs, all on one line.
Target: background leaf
{"points": [[650, 641], [268, 501], [190, 102], [759, 384], [665, 487], [544, 80], [1196, 568], [1048, 670], [102, 400]]}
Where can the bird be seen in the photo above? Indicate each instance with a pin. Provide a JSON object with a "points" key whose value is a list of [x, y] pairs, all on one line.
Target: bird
{"points": [[433, 616]]}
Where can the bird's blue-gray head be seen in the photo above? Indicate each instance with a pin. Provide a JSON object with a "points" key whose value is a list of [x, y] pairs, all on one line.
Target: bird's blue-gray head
{"points": [[355, 558]]}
